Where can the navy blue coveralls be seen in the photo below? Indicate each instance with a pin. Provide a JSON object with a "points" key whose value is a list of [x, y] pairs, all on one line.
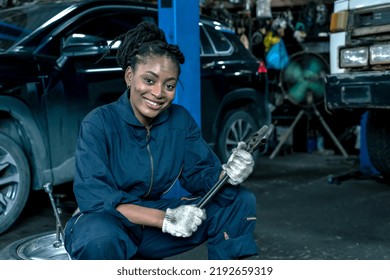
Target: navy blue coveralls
{"points": [[119, 161]]}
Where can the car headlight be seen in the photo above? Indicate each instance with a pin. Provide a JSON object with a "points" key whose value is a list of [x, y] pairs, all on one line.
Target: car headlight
{"points": [[354, 57], [380, 54]]}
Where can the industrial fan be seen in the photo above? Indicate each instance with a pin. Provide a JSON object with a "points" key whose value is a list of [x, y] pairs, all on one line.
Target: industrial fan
{"points": [[302, 83], [302, 79]]}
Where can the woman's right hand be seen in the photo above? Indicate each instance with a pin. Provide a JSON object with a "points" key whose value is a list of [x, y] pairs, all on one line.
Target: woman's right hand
{"points": [[183, 220]]}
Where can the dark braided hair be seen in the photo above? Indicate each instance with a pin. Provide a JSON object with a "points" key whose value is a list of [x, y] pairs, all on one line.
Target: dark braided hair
{"points": [[143, 41]]}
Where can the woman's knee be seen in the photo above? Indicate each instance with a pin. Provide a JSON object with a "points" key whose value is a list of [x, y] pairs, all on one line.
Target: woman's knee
{"points": [[248, 195], [104, 248], [248, 199], [97, 236], [94, 225]]}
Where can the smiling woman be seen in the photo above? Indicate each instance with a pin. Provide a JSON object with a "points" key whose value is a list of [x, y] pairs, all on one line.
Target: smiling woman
{"points": [[130, 152], [51, 78]]}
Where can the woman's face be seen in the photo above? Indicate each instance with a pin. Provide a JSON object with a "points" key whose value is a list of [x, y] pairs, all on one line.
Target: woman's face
{"points": [[152, 87]]}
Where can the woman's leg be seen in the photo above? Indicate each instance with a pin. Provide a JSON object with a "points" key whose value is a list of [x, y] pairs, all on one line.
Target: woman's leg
{"points": [[158, 245], [230, 228], [98, 236]]}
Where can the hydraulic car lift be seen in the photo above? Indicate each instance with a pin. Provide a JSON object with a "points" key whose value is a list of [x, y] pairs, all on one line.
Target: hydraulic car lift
{"points": [[180, 22]]}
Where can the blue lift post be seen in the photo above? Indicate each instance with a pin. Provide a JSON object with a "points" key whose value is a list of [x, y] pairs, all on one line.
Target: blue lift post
{"points": [[180, 21]]}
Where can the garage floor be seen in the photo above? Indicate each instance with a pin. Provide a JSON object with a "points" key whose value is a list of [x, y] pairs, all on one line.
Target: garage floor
{"points": [[301, 216]]}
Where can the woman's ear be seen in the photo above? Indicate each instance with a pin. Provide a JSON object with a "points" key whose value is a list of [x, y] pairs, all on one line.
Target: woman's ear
{"points": [[128, 76]]}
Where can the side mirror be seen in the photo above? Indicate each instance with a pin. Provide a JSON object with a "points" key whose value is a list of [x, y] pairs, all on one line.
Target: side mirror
{"points": [[83, 45]]}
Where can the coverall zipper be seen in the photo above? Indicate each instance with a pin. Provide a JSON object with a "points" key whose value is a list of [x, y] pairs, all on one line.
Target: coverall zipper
{"points": [[151, 162]]}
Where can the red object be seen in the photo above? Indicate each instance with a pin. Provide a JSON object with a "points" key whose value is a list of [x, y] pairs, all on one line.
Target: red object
{"points": [[262, 68]]}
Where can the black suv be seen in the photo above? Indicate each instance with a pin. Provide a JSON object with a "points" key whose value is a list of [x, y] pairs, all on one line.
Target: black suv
{"points": [[49, 80]]}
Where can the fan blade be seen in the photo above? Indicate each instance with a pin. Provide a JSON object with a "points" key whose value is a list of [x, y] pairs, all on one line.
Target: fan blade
{"points": [[315, 66], [292, 73], [317, 88], [298, 92], [310, 76]]}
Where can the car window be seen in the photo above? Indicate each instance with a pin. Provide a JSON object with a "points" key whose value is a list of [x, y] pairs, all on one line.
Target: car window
{"points": [[111, 25], [206, 47], [214, 42], [19, 22], [107, 25]]}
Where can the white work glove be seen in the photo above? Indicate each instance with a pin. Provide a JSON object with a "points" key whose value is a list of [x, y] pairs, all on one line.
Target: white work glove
{"points": [[240, 165], [183, 220]]}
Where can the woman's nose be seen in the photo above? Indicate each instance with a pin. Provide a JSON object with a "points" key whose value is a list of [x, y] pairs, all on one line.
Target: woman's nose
{"points": [[157, 91]]}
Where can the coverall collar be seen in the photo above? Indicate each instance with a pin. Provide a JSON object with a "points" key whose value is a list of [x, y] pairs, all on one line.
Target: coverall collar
{"points": [[127, 112]]}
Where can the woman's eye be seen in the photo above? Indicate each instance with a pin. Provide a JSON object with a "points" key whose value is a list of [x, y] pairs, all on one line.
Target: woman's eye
{"points": [[170, 87], [149, 81]]}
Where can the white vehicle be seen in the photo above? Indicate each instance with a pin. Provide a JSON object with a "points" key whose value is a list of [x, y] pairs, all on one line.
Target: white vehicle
{"points": [[359, 78]]}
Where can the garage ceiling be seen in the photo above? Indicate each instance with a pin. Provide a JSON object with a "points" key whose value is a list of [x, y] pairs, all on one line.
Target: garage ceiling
{"points": [[289, 3], [274, 3]]}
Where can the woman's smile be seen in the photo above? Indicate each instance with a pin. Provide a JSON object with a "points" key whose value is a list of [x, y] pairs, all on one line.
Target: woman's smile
{"points": [[152, 104], [152, 87]]}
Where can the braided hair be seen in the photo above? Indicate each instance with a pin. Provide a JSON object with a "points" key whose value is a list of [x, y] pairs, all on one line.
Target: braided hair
{"points": [[143, 41]]}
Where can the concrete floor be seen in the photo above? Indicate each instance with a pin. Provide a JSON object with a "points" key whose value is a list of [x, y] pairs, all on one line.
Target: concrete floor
{"points": [[301, 216]]}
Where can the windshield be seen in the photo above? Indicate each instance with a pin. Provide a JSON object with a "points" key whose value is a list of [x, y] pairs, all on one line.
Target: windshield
{"points": [[17, 23]]}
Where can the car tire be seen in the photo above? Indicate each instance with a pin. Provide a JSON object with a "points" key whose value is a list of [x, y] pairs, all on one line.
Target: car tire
{"points": [[14, 182], [35, 247], [378, 141], [237, 126]]}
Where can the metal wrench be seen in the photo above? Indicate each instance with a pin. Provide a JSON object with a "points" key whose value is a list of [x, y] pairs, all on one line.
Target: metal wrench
{"points": [[59, 230], [257, 139]]}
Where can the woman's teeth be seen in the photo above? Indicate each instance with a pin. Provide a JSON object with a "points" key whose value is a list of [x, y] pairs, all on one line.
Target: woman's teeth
{"points": [[152, 103]]}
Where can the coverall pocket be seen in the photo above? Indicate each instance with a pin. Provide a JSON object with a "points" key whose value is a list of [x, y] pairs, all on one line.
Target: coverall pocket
{"points": [[234, 248]]}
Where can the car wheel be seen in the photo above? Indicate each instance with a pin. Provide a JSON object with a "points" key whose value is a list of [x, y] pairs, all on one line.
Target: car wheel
{"points": [[237, 126], [14, 182], [35, 247], [378, 141]]}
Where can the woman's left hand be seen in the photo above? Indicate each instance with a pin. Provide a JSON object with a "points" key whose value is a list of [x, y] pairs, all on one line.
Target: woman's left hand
{"points": [[240, 165]]}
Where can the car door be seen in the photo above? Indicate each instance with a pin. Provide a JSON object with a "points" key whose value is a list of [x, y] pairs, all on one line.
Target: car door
{"points": [[216, 67], [83, 82]]}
